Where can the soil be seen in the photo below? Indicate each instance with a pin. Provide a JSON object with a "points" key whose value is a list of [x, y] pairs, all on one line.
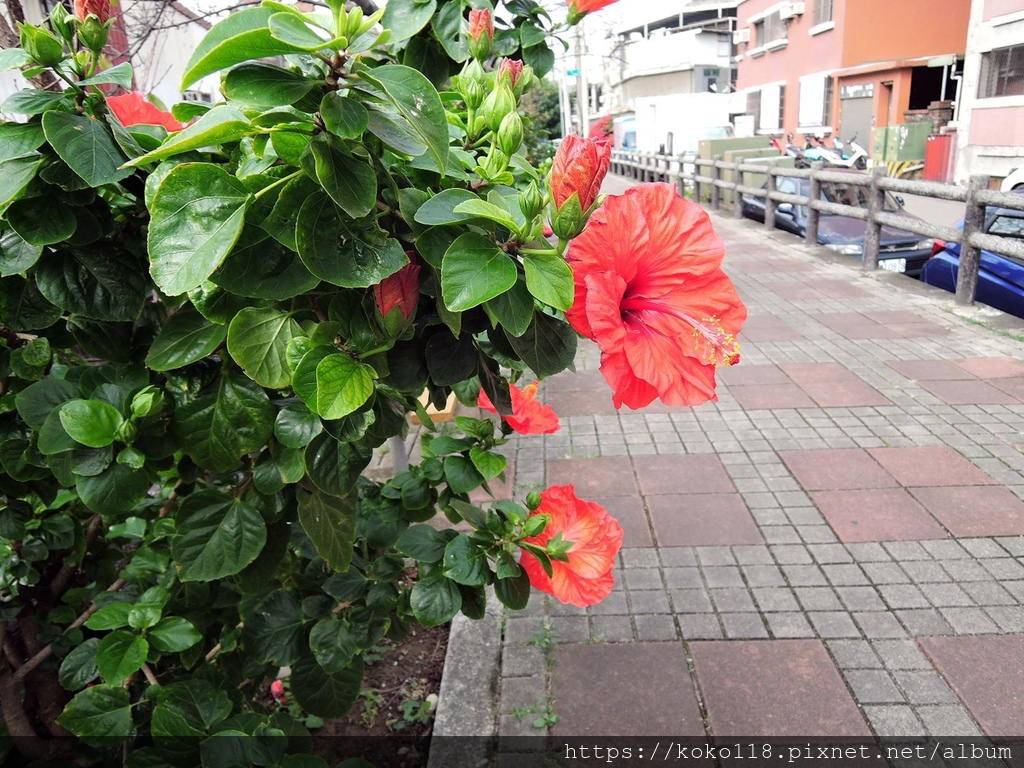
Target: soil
{"points": [[390, 724]]}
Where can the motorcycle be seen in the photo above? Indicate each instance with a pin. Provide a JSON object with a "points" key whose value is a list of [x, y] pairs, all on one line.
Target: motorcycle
{"points": [[836, 155], [789, 149]]}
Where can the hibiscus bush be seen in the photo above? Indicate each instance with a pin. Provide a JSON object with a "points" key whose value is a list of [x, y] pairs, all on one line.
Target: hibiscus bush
{"points": [[211, 318]]}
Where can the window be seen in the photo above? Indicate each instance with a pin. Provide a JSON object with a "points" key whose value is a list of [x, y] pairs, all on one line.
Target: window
{"points": [[754, 108], [759, 38], [826, 110], [1002, 73], [782, 107], [1007, 226], [822, 12], [774, 29]]}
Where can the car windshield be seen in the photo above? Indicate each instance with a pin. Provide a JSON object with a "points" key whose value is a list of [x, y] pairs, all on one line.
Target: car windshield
{"points": [[849, 194], [1007, 226]]}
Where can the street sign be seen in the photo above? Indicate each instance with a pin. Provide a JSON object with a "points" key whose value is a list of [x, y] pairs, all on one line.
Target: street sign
{"points": [[574, 73]]}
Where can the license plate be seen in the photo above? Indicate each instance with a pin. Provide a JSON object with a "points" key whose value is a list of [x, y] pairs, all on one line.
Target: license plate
{"points": [[893, 265]]}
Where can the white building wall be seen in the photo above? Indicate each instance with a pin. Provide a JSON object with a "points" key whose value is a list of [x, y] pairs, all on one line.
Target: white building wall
{"points": [[685, 116]]}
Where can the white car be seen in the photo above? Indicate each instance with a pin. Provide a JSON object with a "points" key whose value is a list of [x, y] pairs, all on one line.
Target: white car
{"points": [[1013, 181]]}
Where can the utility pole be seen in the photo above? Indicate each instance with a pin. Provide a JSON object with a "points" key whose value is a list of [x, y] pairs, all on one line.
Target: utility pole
{"points": [[582, 95]]}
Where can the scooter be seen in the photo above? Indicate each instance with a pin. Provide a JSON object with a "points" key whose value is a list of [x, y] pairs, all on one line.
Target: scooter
{"points": [[789, 149], [857, 157], [816, 151]]}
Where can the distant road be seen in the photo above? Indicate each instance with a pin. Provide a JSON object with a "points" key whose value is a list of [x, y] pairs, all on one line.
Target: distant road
{"points": [[934, 211]]}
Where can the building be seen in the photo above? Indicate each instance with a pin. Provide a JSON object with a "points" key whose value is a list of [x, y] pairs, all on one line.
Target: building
{"points": [[848, 67], [667, 72], [990, 117]]}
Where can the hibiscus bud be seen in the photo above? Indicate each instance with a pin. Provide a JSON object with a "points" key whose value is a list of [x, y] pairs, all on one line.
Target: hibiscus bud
{"points": [[580, 8], [510, 70], [397, 297], [578, 171], [481, 33], [61, 22], [93, 33], [41, 44], [495, 164], [498, 103], [510, 133], [98, 8], [525, 82], [473, 94], [535, 525], [533, 500], [353, 22], [531, 200]]}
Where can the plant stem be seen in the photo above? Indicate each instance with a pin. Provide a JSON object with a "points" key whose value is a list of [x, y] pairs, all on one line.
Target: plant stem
{"points": [[277, 183]]}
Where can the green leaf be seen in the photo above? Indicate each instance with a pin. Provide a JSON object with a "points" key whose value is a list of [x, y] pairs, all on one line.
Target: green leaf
{"points": [[221, 125], [219, 536], [465, 562], [197, 215], [333, 252], [333, 466], [424, 543], [42, 220], [37, 401], [13, 58], [274, 629], [513, 592], [488, 464], [349, 181], [15, 175], [323, 693], [18, 139], [241, 37], [435, 599], [258, 341], [148, 609], [99, 714], [121, 74], [418, 102], [113, 616], [294, 29], [475, 270], [264, 85], [106, 284], [407, 17], [16, 256], [342, 385], [540, 57], [87, 146], [461, 475], [226, 422], [332, 644], [78, 668], [120, 654], [482, 209], [173, 635], [330, 523], [91, 422], [513, 310], [452, 31], [440, 209], [550, 280], [186, 338], [548, 346], [343, 116], [32, 101], [261, 267], [197, 704], [117, 489], [296, 426]]}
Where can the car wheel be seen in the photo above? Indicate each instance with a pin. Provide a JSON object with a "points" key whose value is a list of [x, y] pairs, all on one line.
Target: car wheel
{"points": [[1018, 188], [861, 164]]}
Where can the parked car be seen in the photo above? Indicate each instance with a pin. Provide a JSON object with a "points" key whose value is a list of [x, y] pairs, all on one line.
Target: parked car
{"points": [[1014, 181], [899, 251], [1000, 278]]}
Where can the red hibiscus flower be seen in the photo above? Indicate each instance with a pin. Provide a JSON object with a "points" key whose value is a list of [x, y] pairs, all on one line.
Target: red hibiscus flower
{"points": [[580, 166], [133, 109], [100, 8], [529, 416], [586, 579], [401, 290], [513, 69], [651, 292], [579, 7]]}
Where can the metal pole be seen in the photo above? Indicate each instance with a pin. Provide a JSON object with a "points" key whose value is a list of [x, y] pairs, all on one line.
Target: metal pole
{"points": [[737, 198], [970, 255], [716, 192], [873, 236], [398, 455], [813, 214], [769, 203], [581, 84]]}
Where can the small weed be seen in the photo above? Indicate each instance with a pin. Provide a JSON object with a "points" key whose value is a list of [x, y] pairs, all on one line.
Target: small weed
{"points": [[548, 717], [544, 638], [370, 703]]}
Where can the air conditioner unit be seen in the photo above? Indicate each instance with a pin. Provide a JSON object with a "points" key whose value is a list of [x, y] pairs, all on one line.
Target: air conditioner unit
{"points": [[741, 36], [791, 10]]}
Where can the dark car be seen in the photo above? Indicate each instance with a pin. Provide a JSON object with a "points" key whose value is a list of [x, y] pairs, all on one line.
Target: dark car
{"points": [[899, 251], [1000, 278]]}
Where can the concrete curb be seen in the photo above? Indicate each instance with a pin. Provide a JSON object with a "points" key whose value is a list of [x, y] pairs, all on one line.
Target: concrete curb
{"points": [[468, 701]]}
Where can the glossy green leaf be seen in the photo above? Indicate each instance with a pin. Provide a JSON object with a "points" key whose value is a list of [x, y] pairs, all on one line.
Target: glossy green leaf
{"points": [[550, 279], [349, 181], [112, 616], [274, 629], [186, 338], [221, 125], [16, 256], [94, 283], [407, 17], [15, 175], [333, 466], [91, 422], [258, 341], [120, 74], [440, 209], [332, 644], [120, 654], [465, 562], [241, 37], [173, 635], [484, 210], [260, 267], [296, 426], [42, 220], [548, 346], [330, 523], [488, 464], [197, 215], [296, 30], [219, 536], [38, 400], [343, 116], [78, 668], [99, 714], [475, 270], [461, 475], [225, 422], [435, 599], [264, 85], [342, 385], [513, 592], [424, 543], [18, 139], [323, 693], [148, 609], [32, 101], [513, 310], [87, 146]]}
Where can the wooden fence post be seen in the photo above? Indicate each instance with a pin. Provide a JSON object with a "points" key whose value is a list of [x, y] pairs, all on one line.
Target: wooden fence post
{"points": [[970, 255], [873, 235], [769, 203], [716, 192], [737, 196], [813, 214]]}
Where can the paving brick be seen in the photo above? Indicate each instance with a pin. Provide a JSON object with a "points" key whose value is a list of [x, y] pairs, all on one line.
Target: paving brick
{"points": [[732, 599], [853, 654], [894, 720], [929, 466], [699, 626], [948, 721], [723, 576], [860, 598], [791, 679], [611, 629], [629, 511], [876, 515], [925, 687], [571, 629], [655, 628], [592, 478], [642, 578], [649, 601], [614, 604], [903, 596], [763, 576], [836, 470], [775, 599], [672, 557], [924, 621], [743, 626], [969, 621], [695, 473], [944, 595], [974, 511], [900, 655], [873, 686], [522, 662], [833, 624], [708, 519], [817, 598]]}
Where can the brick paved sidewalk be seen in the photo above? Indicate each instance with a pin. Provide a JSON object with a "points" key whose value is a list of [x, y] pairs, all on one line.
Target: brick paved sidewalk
{"points": [[833, 548]]}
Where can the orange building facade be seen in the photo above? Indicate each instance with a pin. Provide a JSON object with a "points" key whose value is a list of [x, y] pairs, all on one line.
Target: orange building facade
{"points": [[847, 67]]}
